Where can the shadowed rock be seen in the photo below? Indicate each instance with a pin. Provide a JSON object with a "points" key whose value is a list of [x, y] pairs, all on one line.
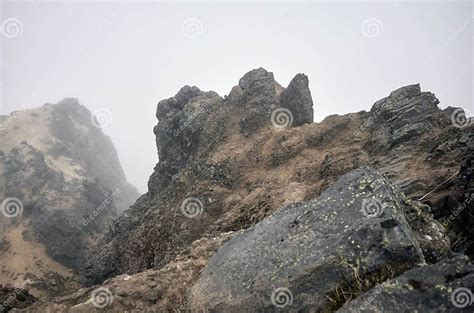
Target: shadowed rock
{"points": [[297, 98]]}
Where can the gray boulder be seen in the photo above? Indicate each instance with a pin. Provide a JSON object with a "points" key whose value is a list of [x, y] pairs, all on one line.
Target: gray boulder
{"points": [[314, 255], [442, 287], [297, 98]]}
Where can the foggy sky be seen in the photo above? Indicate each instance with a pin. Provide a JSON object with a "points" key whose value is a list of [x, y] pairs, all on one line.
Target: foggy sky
{"points": [[123, 57]]}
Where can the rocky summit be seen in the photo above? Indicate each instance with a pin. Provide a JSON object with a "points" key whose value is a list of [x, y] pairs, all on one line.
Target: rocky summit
{"points": [[253, 207]]}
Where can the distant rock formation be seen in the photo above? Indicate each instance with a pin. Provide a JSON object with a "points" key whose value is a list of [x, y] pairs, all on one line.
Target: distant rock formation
{"points": [[252, 168], [61, 183]]}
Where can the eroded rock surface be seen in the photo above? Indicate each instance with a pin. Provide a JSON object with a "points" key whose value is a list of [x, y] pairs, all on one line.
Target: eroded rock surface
{"points": [[355, 229], [441, 287]]}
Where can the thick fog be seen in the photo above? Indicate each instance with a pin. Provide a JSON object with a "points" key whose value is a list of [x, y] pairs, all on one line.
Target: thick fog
{"points": [[123, 57]]}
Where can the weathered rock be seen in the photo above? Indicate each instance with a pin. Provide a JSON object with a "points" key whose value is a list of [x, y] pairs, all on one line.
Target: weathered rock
{"points": [[406, 113], [11, 298], [297, 98], [259, 84], [181, 120], [442, 287], [259, 99], [355, 229]]}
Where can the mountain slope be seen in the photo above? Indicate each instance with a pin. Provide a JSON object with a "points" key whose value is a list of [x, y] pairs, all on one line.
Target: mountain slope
{"points": [[61, 183]]}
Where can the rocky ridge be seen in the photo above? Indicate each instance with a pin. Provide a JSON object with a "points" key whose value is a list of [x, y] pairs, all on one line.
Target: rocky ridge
{"points": [[251, 169]]}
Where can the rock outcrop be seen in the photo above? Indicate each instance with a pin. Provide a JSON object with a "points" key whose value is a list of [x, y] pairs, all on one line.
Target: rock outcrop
{"points": [[61, 183], [442, 287], [251, 168], [319, 253]]}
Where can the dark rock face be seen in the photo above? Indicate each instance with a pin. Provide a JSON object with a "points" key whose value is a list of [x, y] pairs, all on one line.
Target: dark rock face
{"points": [[181, 120], [257, 85], [258, 98], [312, 248], [297, 98], [407, 113], [441, 287], [11, 298]]}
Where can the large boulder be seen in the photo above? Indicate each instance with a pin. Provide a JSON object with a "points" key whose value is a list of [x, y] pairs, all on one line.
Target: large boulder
{"points": [[442, 287], [314, 255]]}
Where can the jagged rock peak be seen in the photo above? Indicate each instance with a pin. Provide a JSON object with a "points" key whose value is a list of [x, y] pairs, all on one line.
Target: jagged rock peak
{"points": [[297, 98], [406, 95], [176, 103], [409, 91], [257, 75]]}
